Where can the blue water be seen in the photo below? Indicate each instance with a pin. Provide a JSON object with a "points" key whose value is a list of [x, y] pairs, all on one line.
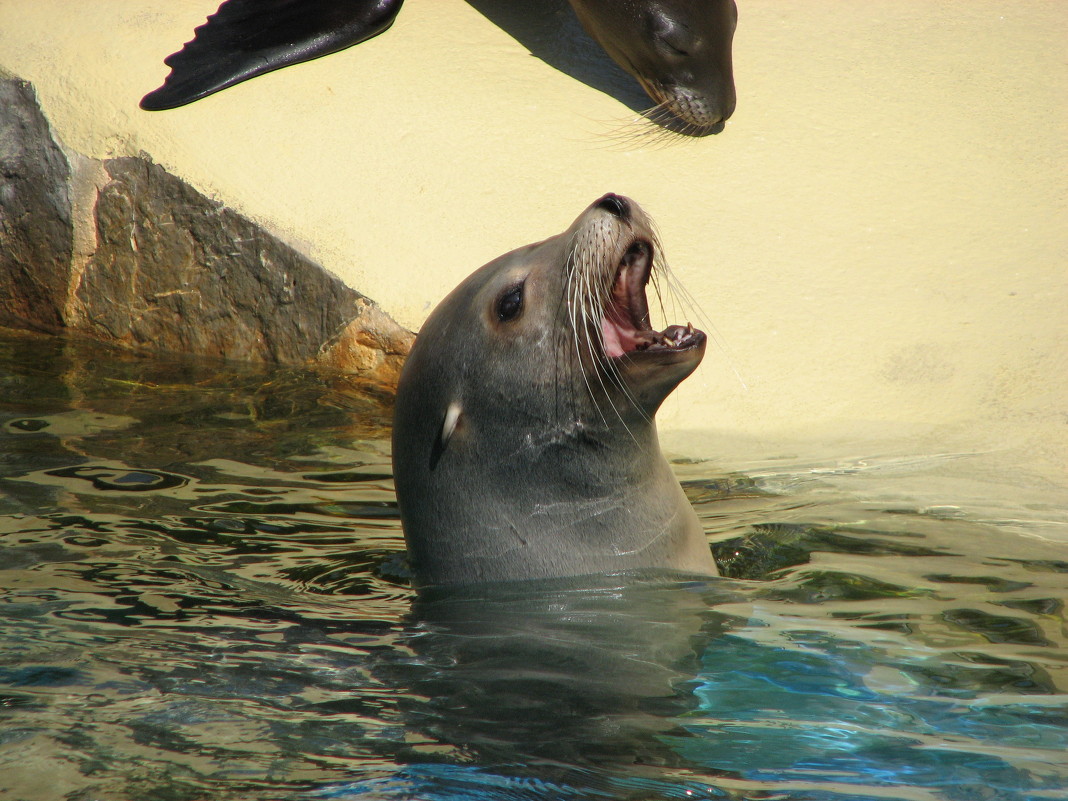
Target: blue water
{"points": [[203, 595]]}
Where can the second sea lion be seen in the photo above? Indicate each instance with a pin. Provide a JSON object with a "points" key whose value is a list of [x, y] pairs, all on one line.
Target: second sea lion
{"points": [[678, 50]]}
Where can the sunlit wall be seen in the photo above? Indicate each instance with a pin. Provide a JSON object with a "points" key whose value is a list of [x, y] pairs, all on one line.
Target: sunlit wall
{"points": [[878, 241]]}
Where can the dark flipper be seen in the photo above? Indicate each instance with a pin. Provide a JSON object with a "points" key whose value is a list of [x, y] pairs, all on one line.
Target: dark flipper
{"points": [[245, 38]]}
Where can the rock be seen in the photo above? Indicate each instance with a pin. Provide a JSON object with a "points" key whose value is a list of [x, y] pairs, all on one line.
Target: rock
{"points": [[36, 232], [161, 267], [176, 271]]}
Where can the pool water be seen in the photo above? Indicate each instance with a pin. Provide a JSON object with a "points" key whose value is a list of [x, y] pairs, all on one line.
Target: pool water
{"points": [[203, 595]]}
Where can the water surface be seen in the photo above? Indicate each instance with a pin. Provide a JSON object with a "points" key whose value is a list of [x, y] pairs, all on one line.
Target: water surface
{"points": [[203, 596]]}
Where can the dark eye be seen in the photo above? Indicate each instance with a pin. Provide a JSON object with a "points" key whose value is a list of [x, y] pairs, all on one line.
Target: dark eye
{"points": [[510, 304]]}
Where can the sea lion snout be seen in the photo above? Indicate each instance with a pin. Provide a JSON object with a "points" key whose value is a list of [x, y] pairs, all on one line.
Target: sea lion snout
{"points": [[616, 256], [680, 51]]}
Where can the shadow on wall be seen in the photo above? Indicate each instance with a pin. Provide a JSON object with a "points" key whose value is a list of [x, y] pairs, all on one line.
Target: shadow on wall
{"points": [[551, 32]]}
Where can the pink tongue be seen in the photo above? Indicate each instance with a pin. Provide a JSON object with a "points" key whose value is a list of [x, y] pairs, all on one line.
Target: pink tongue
{"points": [[617, 339]]}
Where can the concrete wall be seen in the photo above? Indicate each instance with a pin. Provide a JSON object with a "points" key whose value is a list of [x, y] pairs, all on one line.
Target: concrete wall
{"points": [[878, 237]]}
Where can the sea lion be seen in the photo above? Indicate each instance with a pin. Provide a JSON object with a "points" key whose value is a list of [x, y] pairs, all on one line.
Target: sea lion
{"points": [[678, 50], [524, 445]]}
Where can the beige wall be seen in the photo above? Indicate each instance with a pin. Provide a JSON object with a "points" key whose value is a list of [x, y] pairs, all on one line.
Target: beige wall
{"points": [[879, 236]]}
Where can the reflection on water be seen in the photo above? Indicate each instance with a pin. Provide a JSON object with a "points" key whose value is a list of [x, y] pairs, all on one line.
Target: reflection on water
{"points": [[204, 596]]}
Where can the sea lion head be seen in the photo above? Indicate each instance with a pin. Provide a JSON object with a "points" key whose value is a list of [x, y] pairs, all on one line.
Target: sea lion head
{"points": [[524, 444], [678, 50]]}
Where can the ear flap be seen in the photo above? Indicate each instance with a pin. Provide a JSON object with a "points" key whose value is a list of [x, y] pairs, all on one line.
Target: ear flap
{"points": [[448, 426], [452, 417]]}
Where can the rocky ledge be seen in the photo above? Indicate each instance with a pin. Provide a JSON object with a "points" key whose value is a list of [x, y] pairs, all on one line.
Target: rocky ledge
{"points": [[123, 252]]}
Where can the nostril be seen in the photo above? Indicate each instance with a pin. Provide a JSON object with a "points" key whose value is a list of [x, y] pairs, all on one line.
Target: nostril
{"points": [[615, 204]]}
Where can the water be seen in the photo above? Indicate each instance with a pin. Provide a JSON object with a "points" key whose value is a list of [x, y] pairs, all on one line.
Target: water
{"points": [[204, 596]]}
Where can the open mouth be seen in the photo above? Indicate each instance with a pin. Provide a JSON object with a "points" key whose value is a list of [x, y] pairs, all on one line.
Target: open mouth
{"points": [[625, 325]]}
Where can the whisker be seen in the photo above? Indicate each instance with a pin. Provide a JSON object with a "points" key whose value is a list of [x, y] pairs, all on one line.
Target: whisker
{"points": [[654, 127], [691, 306], [594, 299], [581, 318], [608, 365], [588, 291]]}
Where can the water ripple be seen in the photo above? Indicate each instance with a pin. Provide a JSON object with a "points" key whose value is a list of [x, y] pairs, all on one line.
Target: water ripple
{"points": [[205, 595]]}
